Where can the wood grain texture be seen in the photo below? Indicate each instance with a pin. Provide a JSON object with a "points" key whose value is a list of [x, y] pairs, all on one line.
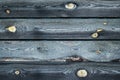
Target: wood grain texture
{"points": [[97, 51], [104, 71], [56, 8], [70, 29]]}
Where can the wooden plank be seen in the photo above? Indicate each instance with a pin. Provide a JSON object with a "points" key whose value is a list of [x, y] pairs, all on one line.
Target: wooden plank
{"points": [[97, 51], [54, 29], [59, 8]]}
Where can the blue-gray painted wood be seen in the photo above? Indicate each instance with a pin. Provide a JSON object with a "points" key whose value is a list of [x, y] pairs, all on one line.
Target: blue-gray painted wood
{"points": [[60, 28], [47, 50], [56, 8]]}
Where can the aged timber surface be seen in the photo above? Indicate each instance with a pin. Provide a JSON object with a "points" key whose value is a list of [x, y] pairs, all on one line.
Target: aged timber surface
{"points": [[95, 71], [60, 28], [56, 8], [98, 51]]}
